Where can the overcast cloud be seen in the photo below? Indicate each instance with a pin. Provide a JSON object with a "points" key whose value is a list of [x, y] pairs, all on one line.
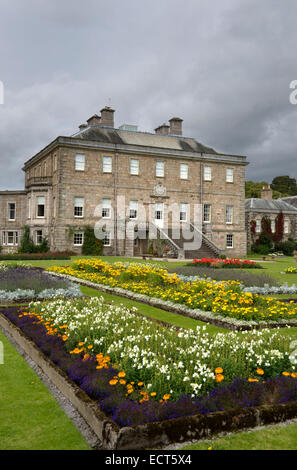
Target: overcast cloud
{"points": [[223, 66]]}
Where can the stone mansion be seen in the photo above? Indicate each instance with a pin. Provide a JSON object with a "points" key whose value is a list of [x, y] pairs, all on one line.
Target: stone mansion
{"points": [[76, 181]]}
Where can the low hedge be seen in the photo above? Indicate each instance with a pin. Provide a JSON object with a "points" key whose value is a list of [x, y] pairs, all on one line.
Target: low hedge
{"points": [[63, 255]]}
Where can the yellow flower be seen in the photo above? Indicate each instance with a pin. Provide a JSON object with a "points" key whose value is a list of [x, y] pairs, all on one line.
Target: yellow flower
{"points": [[121, 374], [218, 370], [166, 396], [260, 371], [153, 394], [286, 374]]}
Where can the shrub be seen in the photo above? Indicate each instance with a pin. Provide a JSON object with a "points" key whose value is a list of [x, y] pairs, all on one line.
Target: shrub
{"points": [[63, 255], [261, 249], [286, 247], [27, 244], [91, 246]]}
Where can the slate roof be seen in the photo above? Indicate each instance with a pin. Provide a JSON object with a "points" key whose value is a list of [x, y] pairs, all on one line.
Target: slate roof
{"points": [[277, 205], [290, 200], [118, 136]]}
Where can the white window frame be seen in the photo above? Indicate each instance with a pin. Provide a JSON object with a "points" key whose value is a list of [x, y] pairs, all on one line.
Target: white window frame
{"points": [[107, 164], [183, 211], [232, 240], [80, 162], [9, 210], [273, 225], [286, 226], [133, 206], [229, 215], [106, 206], [258, 226], [105, 238], [29, 208], [79, 203], [207, 173], [134, 167], [80, 234], [184, 171], [160, 169], [13, 238], [159, 211], [37, 207], [4, 238], [229, 175], [37, 234], [205, 221]]}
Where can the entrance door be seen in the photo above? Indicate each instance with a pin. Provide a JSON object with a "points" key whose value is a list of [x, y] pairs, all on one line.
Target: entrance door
{"points": [[159, 214]]}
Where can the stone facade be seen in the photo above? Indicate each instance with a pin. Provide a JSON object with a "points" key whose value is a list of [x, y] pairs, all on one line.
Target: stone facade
{"points": [[257, 208], [172, 169]]}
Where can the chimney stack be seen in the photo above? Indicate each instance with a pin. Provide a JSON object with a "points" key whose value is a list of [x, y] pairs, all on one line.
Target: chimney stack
{"points": [[107, 117], [266, 193], [163, 129], [175, 126], [94, 120]]}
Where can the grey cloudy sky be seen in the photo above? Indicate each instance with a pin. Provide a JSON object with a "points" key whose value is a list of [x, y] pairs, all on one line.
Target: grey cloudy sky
{"points": [[223, 66]]}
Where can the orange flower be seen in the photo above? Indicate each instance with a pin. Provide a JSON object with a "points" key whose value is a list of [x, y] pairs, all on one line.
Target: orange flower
{"points": [[64, 338], [90, 347], [140, 384], [219, 378], [153, 394], [260, 371], [166, 396], [253, 380], [113, 382], [294, 375], [218, 370], [121, 374], [286, 374]]}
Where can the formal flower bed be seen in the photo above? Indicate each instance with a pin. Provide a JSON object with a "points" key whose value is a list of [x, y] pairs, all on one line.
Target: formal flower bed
{"points": [[291, 270], [19, 283], [225, 298], [139, 371], [227, 263]]}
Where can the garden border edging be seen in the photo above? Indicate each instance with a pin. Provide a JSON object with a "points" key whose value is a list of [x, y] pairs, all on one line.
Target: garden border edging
{"points": [[232, 324], [155, 434]]}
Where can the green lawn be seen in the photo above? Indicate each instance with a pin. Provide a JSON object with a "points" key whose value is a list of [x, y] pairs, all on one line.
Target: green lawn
{"points": [[272, 438], [31, 419]]}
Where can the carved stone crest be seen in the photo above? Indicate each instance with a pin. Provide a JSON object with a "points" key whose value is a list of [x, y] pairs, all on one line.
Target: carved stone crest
{"points": [[160, 190]]}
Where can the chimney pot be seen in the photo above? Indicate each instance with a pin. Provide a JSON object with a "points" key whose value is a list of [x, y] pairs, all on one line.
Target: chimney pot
{"points": [[176, 126], [266, 192], [162, 130], [107, 116], [94, 120]]}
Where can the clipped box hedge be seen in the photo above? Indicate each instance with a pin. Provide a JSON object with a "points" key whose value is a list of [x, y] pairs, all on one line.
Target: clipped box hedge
{"points": [[63, 255]]}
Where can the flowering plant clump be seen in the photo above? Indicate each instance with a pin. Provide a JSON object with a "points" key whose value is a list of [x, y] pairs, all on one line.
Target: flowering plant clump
{"points": [[22, 283], [291, 270], [225, 298], [227, 263], [139, 371], [156, 359]]}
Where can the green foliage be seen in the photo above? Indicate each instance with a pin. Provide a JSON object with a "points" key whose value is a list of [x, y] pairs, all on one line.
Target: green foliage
{"points": [[261, 249], [253, 189], [285, 185], [91, 246], [27, 244], [286, 247]]}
